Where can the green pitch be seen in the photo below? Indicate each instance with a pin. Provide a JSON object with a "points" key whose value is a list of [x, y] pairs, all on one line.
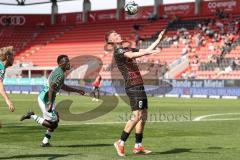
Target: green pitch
{"points": [[172, 134]]}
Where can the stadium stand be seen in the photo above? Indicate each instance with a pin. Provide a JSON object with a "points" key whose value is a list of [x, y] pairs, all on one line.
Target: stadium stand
{"points": [[211, 44]]}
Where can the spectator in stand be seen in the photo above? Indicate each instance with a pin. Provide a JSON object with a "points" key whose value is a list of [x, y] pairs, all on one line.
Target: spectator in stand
{"points": [[174, 19], [175, 40], [216, 37], [209, 32], [236, 27], [136, 27], [219, 25], [234, 64], [152, 18], [184, 51], [220, 13], [199, 40], [212, 48], [192, 75], [237, 61]]}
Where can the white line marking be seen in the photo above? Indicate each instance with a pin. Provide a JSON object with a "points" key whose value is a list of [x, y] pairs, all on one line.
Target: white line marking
{"points": [[214, 115], [197, 119], [219, 119], [94, 123], [90, 123]]}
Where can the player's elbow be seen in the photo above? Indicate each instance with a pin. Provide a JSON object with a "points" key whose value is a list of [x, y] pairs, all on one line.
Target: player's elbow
{"points": [[129, 55]]}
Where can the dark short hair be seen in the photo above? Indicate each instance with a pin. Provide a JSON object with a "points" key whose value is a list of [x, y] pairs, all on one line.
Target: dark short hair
{"points": [[6, 52], [108, 34], [61, 57]]}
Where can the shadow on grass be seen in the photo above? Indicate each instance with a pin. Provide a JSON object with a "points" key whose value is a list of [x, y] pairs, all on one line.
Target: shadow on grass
{"points": [[177, 150], [47, 156], [215, 148], [181, 150], [85, 145]]}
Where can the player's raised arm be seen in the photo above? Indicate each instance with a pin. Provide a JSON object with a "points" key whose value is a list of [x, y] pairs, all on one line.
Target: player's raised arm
{"points": [[154, 44], [139, 54]]}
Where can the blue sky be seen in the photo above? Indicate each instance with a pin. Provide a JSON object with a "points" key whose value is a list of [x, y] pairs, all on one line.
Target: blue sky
{"points": [[73, 6]]}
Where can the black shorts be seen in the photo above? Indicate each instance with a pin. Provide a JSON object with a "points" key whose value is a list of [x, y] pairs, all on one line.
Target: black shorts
{"points": [[137, 97]]}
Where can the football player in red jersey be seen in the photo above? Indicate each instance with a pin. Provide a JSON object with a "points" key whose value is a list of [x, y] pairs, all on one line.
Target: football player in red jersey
{"points": [[96, 85]]}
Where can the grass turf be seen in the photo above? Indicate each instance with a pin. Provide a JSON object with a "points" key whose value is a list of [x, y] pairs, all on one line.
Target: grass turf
{"points": [[176, 138]]}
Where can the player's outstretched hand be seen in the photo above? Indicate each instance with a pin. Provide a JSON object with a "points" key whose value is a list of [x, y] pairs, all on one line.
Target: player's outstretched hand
{"points": [[81, 92], [10, 105], [160, 36]]}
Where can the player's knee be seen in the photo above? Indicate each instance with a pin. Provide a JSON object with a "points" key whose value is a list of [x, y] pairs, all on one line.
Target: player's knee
{"points": [[135, 119], [50, 129], [139, 115], [54, 125], [143, 119], [144, 116]]}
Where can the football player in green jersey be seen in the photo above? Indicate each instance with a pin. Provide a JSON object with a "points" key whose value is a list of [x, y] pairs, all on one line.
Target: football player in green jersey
{"points": [[47, 96], [6, 60]]}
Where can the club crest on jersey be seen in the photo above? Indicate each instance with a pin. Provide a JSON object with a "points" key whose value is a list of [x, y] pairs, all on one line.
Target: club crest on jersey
{"points": [[59, 80], [2, 71], [121, 51], [140, 104]]}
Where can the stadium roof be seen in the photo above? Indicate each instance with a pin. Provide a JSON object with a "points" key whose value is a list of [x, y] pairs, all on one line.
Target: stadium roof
{"points": [[66, 6], [36, 2], [28, 2]]}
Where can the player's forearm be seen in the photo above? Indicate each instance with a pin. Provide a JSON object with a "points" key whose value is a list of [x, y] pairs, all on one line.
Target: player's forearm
{"points": [[69, 89], [3, 92], [50, 97], [153, 45]]}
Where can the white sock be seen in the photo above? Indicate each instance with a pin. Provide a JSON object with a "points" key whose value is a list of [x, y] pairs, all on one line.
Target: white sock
{"points": [[45, 140], [121, 142], [138, 145], [47, 137], [38, 119]]}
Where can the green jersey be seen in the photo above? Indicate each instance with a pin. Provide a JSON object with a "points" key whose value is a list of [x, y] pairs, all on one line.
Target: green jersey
{"points": [[56, 77], [2, 70]]}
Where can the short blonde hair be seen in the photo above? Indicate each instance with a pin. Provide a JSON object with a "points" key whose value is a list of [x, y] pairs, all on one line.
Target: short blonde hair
{"points": [[107, 35], [6, 51]]}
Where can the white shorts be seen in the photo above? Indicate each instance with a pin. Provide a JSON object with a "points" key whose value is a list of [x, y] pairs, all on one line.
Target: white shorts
{"points": [[50, 116]]}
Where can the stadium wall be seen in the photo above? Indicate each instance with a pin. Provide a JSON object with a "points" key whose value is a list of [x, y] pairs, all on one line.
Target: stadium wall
{"points": [[166, 88]]}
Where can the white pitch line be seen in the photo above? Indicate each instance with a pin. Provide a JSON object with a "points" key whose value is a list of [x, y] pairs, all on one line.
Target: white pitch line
{"points": [[214, 115], [104, 123], [220, 119], [91, 123]]}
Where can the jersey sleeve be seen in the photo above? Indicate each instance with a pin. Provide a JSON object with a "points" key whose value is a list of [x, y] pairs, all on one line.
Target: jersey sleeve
{"points": [[135, 50], [57, 80], [2, 72]]}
